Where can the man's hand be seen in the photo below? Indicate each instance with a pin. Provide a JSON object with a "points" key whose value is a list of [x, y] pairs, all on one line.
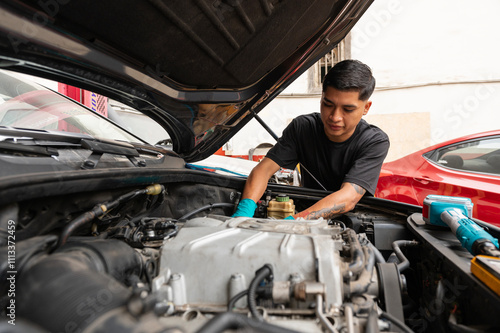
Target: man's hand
{"points": [[336, 203], [246, 207], [255, 186]]}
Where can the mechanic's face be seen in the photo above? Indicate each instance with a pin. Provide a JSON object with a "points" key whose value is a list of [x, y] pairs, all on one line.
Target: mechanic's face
{"points": [[341, 112]]}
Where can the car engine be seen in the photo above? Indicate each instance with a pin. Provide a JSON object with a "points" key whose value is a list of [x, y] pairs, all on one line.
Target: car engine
{"points": [[151, 260], [301, 264]]}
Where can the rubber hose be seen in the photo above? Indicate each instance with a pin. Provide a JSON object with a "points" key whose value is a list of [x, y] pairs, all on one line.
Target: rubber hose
{"points": [[201, 209], [76, 285], [378, 255], [101, 209], [262, 273], [78, 222], [235, 299], [110, 256], [404, 263], [61, 290]]}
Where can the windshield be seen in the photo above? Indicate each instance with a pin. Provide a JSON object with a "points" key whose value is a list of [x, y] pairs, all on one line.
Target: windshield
{"points": [[27, 105]]}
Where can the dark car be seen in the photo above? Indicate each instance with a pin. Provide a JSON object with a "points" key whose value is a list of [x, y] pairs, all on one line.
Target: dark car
{"points": [[467, 166], [103, 232]]}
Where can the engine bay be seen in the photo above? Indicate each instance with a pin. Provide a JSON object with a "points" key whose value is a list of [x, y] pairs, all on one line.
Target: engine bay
{"points": [[170, 258]]}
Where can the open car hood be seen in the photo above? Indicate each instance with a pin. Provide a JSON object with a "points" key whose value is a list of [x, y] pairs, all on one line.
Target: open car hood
{"points": [[202, 69]]}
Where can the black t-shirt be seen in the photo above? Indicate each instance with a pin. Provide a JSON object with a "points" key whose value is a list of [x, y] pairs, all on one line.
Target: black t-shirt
{"points": [[357, 160]]}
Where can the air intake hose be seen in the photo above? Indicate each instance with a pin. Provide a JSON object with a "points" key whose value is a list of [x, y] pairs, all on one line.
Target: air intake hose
{"points": [[70, 289]]}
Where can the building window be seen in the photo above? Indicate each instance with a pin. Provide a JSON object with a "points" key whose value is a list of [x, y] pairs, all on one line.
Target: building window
{"points": [[337, 54]]}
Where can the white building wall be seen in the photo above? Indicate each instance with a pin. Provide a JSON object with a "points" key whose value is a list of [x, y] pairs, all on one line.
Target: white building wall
{"points": [[437, 70], [435, 57]]}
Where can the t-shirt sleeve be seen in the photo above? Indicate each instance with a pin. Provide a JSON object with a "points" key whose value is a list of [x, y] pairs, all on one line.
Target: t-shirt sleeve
{"points": [[284, 152], [366, 169]]}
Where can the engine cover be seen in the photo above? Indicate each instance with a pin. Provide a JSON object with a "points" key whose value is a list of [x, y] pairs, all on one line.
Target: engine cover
{"points": [[212, 259]]}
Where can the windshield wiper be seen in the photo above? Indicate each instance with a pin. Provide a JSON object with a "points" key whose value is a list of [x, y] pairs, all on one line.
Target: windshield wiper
{"points": [[35, 150], [45, 143], [38, 134], [100, 148]]}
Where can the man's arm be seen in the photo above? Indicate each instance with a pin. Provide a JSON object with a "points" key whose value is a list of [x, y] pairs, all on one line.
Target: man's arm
{"points": [[256, 183], [338, 202], [255, 186]]}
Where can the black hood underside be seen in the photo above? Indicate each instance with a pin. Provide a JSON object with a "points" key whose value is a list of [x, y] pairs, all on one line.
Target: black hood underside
{"points": [[201, 68]]}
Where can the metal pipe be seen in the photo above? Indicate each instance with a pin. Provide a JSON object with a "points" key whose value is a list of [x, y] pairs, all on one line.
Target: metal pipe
{"points": [[357, 256], [349, 318], [319, 313], [363, 282]]}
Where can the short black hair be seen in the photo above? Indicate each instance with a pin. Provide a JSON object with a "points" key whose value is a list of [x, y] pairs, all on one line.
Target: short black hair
{"points": [[351, 75]]}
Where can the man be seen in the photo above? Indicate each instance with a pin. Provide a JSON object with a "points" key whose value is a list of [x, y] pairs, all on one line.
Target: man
{"points": [[342, 151]]}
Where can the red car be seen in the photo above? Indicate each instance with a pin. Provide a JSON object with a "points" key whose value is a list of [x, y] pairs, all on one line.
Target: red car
{"points": [[468, 166]]}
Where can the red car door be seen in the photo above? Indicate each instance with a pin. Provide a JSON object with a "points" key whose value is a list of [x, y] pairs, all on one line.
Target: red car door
{"points": [[469, 170]]}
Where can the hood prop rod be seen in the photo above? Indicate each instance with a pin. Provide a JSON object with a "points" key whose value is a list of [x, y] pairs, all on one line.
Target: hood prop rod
{"points": [[270, 131]]}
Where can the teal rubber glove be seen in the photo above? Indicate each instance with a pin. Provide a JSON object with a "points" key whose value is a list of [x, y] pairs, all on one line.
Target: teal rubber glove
{"points": [[246, 207], [289, 217]]}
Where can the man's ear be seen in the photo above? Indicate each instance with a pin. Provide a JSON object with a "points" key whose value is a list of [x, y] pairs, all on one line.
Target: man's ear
{"points": [[368, 104]]}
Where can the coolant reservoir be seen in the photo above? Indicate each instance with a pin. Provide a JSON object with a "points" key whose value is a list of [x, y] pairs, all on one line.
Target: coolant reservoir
{"points": [[280, 207]]}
